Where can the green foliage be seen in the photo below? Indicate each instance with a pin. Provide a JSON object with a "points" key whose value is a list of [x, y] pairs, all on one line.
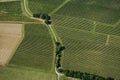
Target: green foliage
{"points": [[37, 15], [83, 76]]}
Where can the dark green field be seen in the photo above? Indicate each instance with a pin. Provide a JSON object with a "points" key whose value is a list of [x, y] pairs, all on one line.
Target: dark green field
{"points": [[36, 49]]}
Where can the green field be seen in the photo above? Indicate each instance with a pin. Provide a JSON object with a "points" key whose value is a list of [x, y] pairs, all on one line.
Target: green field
{"points": [[89, 52], [7, 73], [90, 32], [43, 6], [36, 49], [12, 11], [106, 11]]}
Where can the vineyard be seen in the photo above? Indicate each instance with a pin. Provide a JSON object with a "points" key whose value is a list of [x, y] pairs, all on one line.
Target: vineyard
{"points": [[93, 10], [82, 41], [90, 31], [43, 6], [36, 49], [88, 52]]}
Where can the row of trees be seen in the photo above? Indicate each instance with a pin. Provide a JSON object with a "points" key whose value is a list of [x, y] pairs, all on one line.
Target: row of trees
{"points": [[59, 49], [83, 75], [43, 16]]}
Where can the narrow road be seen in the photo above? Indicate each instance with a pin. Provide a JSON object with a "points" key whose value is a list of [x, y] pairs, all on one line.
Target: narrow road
{"points": [[8, 0], [25, 7]]}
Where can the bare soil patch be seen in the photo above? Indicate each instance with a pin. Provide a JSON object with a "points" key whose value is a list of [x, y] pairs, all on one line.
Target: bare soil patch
{"points": [[10, 36]]}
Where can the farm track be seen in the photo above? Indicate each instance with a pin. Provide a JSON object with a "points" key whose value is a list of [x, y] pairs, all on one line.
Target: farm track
{"points": [[8, 0]]}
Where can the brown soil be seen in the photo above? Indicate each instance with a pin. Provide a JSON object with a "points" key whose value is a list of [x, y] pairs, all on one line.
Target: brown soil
{"points": [[10, 36]]}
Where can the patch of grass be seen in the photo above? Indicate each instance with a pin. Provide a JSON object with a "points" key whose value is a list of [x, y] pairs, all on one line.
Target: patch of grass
{"points": [[43, 6], [36, 49], [93, 10], [7, 73]]}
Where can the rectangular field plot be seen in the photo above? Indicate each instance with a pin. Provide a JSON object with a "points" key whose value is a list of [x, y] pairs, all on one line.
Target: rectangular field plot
{"points": [[87, 52], [96, 10], [7, 73], [72, 22], [36, 49], [43, 6]]}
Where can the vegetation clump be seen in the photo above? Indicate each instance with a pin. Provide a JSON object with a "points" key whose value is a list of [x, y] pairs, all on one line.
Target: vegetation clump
{"points": [[59, 49], [45, 17], [82, 75]]}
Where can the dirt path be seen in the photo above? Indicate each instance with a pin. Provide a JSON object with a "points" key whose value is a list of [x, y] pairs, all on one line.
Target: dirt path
{"points": [[10, 35], [8, 0]]}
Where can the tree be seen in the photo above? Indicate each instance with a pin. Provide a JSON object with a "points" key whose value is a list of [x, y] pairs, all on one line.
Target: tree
{"points": [[48, 17], [57, 43], [37, 15], [62, 48], [60, 70], [101, 78], [109, 78], [48, 22], [43, 16], [81, 75]]}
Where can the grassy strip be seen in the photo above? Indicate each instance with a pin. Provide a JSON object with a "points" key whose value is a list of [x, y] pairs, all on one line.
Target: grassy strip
{"points": [[8, 73]]}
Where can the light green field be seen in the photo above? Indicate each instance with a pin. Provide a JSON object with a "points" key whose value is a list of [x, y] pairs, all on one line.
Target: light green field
{"points": [[43, 6], [36, 49], [7, 73], [12, 11], [106, 11]]}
